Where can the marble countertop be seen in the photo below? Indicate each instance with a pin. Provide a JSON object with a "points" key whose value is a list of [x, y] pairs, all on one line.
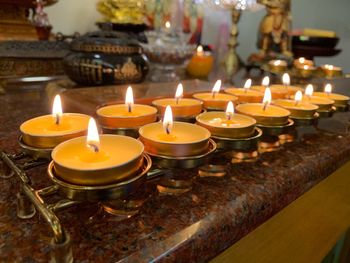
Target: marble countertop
{"points": [[192, 227]]}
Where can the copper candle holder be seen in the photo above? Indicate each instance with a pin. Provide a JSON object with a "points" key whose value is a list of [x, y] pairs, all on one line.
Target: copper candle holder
{"points": [[34, 152], [278, 66], [305, 71], [306, 121], [331, 71]]}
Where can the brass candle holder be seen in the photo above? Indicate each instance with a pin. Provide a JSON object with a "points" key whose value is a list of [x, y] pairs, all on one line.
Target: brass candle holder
{"points": [[34, 152], [278, 66]]}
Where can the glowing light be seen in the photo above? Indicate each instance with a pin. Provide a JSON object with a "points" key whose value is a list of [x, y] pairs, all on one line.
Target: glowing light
{"points": [[93, 139], [129, 99], [57, 109], [168, 119], [229, 110], [216, 88]]}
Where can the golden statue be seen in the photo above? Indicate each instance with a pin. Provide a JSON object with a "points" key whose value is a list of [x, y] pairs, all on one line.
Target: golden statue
{"points": [[274, 29]]}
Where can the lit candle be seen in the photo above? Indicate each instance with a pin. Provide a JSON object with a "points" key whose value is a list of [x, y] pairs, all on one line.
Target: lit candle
{"points": [[286, 80], [215, 100], [278, 65], [264, 113], [297, 107], [181, 107], [305, 71], [339, 100], [227, 124], [277, 91], [97, 160], [200, 64], [331, 71], [324, 104], [49, 130], [246, 94], [174, 139], [128, 115], [300, 62]]}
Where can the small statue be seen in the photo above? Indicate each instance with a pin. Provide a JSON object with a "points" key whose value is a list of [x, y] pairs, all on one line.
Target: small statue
{"points": [[274, 28]]}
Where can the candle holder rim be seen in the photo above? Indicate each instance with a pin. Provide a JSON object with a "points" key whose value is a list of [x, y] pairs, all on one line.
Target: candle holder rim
{"points": [[101, 169], [290, 123], [257, 134], [125, 117], [235, 114], [54, 135], [257, 92], [315, 107], [287, 112], [234, 98], [144, 170]]}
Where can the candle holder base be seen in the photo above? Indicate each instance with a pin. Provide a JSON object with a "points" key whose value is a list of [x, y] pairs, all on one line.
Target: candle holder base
{"points": [[187, 162], [244, 157], [131, 132], [174, 185], [306, 121], [276, 130], [271, 145], [35, 153], [327, 114], [286, 138], [123, 208], [342, 108], [239, 144]]}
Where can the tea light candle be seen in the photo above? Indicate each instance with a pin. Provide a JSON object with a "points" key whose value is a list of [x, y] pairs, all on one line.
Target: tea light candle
{"points": [[215, 100], [324, 104], [227, 124], [50, 130], [264, 113], [276, 91], [97, 160], [246, 94], [278, 65], [339, 100], [174, 139], [200, 64], [331, 71], [297, 107], [128, 115], [305, 71], [300, 62], [182, 107], [291, 90]]}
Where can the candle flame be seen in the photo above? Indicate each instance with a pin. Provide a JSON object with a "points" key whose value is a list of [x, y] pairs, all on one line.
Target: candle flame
{"points": [[129, 99], [328, 88], [168, 119], [93, 139], [230, 110], [57, 109], [216, 88], [167, 24], [247, 84], [301, 60], [306, 67], [266, 81], [179, 92], [330, 67], [298, 97], [267, 98], [286, 79], [309, 90], [277, 62], [200, 49]]}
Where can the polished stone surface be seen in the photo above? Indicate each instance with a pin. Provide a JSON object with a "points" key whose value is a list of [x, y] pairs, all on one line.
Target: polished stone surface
{"points": [[191, 227]]}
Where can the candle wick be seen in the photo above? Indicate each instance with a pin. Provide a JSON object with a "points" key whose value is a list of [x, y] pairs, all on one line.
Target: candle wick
{"points": [[296, 103], [94, 147], [177, 100], [129, 107], [58, 119], [167, 128], [245, 90], [214, 93], [265, 106], [229, 116]]}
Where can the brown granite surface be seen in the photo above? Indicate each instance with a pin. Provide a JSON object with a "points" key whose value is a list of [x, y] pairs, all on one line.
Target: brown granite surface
{"points": [[192, 227]]}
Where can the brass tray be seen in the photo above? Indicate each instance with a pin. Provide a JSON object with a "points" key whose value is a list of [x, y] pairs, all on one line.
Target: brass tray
{"points": [[102, 192], [184, 162], [240, 144]]}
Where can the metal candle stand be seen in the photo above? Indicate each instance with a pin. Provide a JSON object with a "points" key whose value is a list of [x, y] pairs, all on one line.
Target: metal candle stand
{"points": [[30, 200]]}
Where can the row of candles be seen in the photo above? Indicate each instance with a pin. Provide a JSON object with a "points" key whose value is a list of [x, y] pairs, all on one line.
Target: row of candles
{"points": [[120, 156]]}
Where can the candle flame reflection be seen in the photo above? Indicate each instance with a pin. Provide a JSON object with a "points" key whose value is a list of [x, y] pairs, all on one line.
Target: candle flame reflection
{"points": [[216, 88], [286, 79], [179, 92], [129, 99], [57, 109], [93, 139], [328, 88], [168, 119], [230, 110]]}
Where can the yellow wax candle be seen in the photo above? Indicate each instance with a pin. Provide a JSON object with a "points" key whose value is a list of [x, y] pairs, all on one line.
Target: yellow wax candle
{"points": [[118, 158], [237, 126], [118, 116], [272, 115], [298, 109], [200, 64], [339, 100], [291, 90], [245, 95], [43, 132], [277, 91]]}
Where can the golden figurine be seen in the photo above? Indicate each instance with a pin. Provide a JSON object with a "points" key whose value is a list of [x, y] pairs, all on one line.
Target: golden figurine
{"points": [[274, 28]]}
